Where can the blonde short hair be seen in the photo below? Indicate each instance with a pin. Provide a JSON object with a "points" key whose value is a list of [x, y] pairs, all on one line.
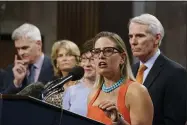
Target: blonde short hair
{"points": [[71, 48]]}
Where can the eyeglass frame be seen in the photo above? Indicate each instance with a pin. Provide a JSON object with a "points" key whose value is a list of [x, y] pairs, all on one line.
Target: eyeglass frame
{"points": [[90, 59], [103, 51]]}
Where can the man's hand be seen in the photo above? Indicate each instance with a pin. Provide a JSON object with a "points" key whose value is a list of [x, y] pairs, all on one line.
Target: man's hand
{"points": [[19, 71]]}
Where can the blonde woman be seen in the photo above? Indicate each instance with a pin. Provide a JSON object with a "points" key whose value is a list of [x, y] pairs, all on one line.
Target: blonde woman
{"points": [[117, 99], [65, 55]]}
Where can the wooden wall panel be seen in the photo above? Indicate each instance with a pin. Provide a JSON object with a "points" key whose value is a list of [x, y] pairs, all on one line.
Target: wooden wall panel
{"points": [[81, 20], [77, 20]]}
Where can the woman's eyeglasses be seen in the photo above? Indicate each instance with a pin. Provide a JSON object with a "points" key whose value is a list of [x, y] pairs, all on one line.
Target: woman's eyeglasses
{"points": [[84, 59], [107, 51]]}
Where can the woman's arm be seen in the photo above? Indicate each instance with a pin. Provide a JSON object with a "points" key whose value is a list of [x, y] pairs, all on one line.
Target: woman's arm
{"points": [[140, 105]]}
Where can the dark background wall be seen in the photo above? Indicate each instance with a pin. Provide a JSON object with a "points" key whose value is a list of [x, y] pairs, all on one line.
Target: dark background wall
{"points": [[79, 21], [114, 17], [173, 16]]}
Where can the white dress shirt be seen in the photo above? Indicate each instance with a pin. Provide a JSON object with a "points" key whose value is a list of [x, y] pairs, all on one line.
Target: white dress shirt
{"points": [[38, 65], [149, 64]]}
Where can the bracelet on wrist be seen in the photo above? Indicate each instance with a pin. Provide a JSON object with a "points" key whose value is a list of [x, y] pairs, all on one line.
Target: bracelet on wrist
{"points": [[119, 120]]}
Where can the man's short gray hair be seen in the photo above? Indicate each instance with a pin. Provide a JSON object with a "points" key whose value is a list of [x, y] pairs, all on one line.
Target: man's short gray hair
{"points": [[28, 31], [155, 26]]}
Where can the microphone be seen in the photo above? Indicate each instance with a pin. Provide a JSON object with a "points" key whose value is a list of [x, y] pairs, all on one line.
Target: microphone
{"points": [[33, 90], [76, 73], [52, 83]]}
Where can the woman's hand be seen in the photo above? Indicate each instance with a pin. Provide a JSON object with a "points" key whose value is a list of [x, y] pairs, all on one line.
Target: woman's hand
{"points": [[110, 109]]}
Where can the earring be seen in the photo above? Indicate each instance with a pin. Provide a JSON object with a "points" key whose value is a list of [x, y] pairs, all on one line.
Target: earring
{"points": [[57, 66]]}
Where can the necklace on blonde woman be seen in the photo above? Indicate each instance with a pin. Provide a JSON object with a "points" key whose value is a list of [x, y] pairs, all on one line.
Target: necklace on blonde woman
{"points": [[113, 87]]}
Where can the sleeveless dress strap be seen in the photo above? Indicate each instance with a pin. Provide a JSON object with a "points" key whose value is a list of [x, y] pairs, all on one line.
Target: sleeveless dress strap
{"points": [[121, 101], [95, 97]]}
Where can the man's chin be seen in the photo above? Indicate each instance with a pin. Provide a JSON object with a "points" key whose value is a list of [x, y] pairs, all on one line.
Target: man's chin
{"points": [[136, 54], [26, 61]]}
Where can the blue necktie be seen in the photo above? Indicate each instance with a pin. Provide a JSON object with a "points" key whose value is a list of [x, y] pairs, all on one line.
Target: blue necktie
{"points": [[31, 75]]}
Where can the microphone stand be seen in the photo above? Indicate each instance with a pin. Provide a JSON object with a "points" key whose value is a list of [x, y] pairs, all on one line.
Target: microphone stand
{"points": [[57, 85], [47, 94], [51, 83]]}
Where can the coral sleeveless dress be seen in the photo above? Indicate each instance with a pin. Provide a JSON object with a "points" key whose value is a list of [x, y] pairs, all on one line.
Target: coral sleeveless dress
{"points": [[97, 114]]}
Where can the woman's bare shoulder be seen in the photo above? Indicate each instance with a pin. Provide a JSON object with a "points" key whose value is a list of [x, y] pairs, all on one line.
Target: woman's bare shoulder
{"points": [[137, 90], [136, 87], [92, 93]]}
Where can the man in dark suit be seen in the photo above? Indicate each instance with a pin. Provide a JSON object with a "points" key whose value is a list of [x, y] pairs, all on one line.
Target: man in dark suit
{"points": [[165, 79], [30, 65]]}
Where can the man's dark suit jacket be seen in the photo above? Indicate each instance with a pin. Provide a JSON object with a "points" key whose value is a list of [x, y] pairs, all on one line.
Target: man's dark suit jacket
{"points": [[46, 75], [2, 76], [166, 83]]}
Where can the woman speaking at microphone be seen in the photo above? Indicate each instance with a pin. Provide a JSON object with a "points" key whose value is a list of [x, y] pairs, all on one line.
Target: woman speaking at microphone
{"points": [[117, 99], [65, 55]]}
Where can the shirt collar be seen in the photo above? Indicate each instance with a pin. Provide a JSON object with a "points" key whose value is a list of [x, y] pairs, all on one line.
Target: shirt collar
{"points": [[38, 64], [152, 60]]}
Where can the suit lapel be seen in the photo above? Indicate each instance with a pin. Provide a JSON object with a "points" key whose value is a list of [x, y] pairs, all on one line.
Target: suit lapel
{"points": [[135, 68], [154, 72]]}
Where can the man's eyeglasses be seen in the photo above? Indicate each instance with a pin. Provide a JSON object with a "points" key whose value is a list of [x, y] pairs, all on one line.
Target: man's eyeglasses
{"points": [[107, 51]]}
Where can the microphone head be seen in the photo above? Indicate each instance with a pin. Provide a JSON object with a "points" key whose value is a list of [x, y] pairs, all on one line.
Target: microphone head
{"points": [[77, 72], [33, 90]]}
